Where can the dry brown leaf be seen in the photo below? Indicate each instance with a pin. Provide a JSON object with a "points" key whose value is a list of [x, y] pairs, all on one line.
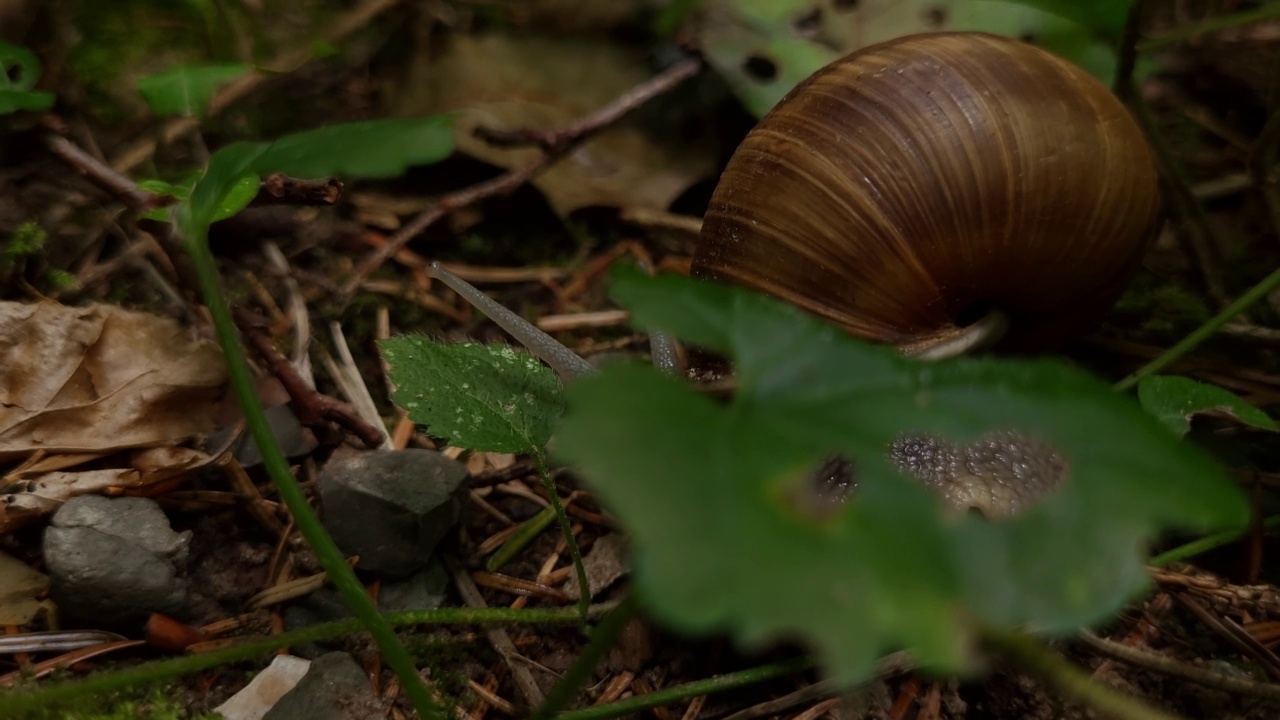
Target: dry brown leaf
{"points": [[101, 378], [20, 591], [509, 83], [25, 499]]}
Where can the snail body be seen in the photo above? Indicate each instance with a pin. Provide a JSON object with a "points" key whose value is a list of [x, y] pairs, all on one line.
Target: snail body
{"points": [[911, 187]]}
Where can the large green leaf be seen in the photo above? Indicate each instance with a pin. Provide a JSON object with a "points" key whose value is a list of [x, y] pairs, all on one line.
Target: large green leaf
{"points": [[708, 491], [372, 149]]}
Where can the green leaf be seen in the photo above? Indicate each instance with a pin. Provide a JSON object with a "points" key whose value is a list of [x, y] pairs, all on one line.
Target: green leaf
{"points": [[715, 495], [482, 397], [238, 196], [1176, 400], [372, 149], [1104, 17], [19, 71], [764, 47], [186, 90]]}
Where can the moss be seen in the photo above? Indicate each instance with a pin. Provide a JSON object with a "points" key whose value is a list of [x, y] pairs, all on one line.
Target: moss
{"points": [[155, 703], [445, 656], [27, 240]]}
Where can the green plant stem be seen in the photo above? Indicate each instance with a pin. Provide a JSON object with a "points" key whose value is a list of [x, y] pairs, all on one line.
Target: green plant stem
{"points": [[602, 639], [719, 683], [1069, 679], [531, 528], [1207, 543], [584, 597], [344, 579], [42, 695], [1202, 333], [1268, 10]]}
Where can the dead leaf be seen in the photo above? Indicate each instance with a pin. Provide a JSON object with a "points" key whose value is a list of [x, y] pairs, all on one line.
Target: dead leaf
{"points": [[20, 591], [604, 564], [509, 83], [100, 379], [23, 500]]}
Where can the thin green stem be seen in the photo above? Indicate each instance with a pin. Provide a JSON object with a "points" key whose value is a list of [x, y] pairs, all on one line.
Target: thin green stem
{"points": [[344, 579], [603, 638], [1221, 22], [1127, 51], [584, 597], [1073, 682], [1202, 333], [46, 694], [688, 691], [1206, 543]]}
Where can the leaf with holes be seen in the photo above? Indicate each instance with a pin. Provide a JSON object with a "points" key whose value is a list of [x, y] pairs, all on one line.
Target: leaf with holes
{"points": [[732, 533], [19, 71], [481, 397]]}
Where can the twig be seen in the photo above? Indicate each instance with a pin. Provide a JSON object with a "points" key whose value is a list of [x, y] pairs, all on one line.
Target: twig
{"points": [[1233, 633], [1167, 666], [555, 143], [280, 189], [115, 184], [498, 638], [313, 407]]}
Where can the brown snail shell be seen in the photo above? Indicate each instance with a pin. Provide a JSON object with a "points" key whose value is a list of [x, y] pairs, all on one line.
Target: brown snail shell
{"points": [[912, 186]]}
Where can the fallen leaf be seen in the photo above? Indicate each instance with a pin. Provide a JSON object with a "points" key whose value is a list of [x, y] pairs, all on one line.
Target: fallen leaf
{"points": [[20, 591], [28, 498], [510, 83], [100, 379]]}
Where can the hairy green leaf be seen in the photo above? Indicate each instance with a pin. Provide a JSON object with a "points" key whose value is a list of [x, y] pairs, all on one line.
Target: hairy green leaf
{"points": [[481, 397], [719, 501]]}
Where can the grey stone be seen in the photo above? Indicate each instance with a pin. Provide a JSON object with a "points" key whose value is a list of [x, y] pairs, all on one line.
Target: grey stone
{"points": [[322, 606], [115, 560], [391, 507], [334, 688], [424, 590]]}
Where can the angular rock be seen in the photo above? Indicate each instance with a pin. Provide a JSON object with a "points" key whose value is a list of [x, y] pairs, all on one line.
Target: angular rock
{"points": [[115, 560], [424, 590], [391, 507], [334, 688]]}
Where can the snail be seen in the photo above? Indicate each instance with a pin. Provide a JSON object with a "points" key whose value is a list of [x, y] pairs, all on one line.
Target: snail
{"points": [[925, 183], [937, 192]]}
